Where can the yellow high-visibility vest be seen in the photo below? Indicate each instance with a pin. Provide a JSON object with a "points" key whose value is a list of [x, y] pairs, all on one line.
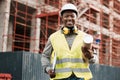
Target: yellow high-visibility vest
{"points": [[69, 60]]}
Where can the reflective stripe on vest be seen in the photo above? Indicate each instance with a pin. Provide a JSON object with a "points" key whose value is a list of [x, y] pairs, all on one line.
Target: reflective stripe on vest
{"points": [[69, 60], [71, 69], [67, 63]]}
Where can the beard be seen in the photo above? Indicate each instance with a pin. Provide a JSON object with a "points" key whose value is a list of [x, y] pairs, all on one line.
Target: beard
{"points": [[71, 28]]}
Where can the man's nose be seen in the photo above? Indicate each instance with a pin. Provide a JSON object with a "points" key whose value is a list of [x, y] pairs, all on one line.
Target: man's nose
{"points": [[69, 17]]}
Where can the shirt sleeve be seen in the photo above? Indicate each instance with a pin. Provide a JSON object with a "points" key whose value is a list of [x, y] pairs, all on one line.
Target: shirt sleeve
{"points": [[46, 54]]}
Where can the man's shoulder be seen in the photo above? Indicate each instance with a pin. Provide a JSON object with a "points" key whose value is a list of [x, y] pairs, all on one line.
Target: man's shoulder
{"points": [[81, 32], [55, 33]]}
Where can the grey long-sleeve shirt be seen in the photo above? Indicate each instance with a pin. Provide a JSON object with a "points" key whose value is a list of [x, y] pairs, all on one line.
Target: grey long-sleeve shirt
{"points": [[48, 50]]}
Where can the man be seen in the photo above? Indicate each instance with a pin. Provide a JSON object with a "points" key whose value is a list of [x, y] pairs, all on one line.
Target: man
{"points": [[65, 57]]}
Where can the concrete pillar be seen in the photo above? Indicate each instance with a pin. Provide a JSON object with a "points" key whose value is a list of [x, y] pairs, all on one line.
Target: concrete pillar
{"points": [[98, 18], [4, 20], [10, 38], [35, 35], [111, 30], [98, 23]]}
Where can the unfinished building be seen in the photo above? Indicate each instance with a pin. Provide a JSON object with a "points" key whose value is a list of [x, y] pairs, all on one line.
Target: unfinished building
{"points": [[25, 25]]}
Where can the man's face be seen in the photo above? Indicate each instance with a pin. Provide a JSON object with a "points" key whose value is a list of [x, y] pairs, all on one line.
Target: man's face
{"points": [[69, 18]]}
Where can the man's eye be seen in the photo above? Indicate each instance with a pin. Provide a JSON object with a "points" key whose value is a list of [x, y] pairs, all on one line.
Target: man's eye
{"points": [[72, 16], [66, 16]]}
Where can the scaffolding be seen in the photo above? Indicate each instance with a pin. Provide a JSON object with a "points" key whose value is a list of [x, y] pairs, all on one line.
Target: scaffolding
{"points": [[50, 20], [31, 25], [22, 16]]}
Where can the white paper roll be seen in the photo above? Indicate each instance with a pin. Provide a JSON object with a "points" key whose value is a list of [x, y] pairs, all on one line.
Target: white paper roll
{"points": [[88, 39]]}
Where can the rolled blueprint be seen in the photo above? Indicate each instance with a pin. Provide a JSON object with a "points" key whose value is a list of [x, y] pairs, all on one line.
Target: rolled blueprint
{"points": [[88, 40]]}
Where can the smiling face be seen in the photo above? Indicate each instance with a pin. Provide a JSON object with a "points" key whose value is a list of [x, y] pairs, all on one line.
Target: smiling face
{"points": [[69, 18]]}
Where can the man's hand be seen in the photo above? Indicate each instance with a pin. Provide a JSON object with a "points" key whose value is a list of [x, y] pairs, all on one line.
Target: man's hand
{"points": [[51, 73], [88, 53]]}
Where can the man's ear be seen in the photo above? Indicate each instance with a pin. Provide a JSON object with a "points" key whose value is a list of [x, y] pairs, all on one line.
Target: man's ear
{"points": [[61, 18]]}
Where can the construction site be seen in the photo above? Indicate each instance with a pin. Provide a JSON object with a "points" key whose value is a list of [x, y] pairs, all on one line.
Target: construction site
{"points": [[25, 25]]}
